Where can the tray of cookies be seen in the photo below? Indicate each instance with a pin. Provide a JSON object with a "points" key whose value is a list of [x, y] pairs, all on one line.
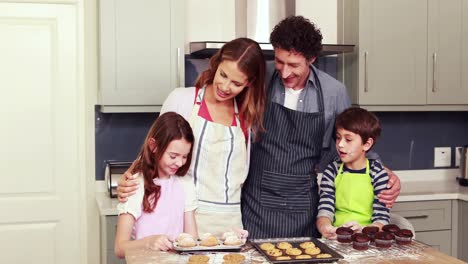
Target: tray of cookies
{"points": [[295, 249], [229, 241]]}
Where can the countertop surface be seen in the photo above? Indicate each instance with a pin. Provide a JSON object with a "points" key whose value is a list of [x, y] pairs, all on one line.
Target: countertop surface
{"points": [[414, 253], [417, 185]]}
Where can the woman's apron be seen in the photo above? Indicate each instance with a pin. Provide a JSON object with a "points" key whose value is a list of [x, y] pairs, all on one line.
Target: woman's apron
{"points": [[280, 197], [219, 168], [354, 197]]}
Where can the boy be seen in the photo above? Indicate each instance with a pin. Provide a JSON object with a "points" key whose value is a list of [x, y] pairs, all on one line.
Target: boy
{"points": [[349, 187]]}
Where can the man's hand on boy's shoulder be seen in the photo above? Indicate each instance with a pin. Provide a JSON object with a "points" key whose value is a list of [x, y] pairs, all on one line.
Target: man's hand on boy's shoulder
{"points": [[389, 196]]}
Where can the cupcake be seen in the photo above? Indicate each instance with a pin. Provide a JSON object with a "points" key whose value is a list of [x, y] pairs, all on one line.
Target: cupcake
{"points": [[383, 239], [403, 236], [360, 241], [344, 234], [370, 231], [390, 228]]}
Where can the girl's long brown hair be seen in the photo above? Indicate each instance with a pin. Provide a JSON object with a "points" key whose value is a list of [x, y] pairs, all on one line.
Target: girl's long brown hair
{"points": [[167, 127], [250, 61]]}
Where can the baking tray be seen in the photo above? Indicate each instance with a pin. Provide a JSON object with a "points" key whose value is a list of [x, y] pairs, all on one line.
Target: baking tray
{"points": [[221, 247], [295, 241]]}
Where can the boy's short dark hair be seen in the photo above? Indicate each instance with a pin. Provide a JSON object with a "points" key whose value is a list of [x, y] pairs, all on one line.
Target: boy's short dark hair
{"points": [[299, 34], [361, 122]]}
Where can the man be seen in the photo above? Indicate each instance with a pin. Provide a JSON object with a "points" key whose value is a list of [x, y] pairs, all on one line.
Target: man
{"points": [[280, 196]]}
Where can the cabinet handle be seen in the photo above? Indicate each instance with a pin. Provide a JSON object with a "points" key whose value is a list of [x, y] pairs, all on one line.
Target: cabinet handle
{"points": [[178, 84], [434, 71], [365, 72], [417, 217]]}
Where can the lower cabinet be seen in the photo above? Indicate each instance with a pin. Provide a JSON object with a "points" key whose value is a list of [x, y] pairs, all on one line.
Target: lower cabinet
{"points": [[108, 230], [432, 221], [463, 230]]}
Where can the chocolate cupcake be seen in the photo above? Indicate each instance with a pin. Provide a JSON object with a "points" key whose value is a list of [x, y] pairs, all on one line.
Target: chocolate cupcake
{"points": [[390, 228], [403, 236], [344, 234], [383, 239], [370, 231], [360, 241]]}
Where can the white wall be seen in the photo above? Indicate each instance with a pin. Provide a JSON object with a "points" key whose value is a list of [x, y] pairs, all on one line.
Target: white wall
{"points": [[209, 20], [324, 14]]}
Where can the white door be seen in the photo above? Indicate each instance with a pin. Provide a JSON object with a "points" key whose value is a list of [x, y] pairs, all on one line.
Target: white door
{"points": [[39, 172]]}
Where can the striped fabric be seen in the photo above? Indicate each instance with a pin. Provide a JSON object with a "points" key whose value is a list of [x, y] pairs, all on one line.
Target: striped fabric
{"points": [[218, 170], [280, 196], [379, 179]]}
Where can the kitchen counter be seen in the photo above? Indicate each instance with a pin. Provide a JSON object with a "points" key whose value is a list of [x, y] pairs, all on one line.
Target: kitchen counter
{"points": [[427, 185], [417, 185], [415, 253]]}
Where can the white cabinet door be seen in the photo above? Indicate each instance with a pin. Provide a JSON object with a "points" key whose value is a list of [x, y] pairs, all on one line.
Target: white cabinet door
{"points": [[141, 51], [445, 52], [392, 52], [39, 139]]}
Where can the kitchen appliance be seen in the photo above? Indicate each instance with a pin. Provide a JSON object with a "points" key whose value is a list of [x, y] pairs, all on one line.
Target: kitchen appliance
{"points": [[113, 173], [255, 19], [463, 179]]}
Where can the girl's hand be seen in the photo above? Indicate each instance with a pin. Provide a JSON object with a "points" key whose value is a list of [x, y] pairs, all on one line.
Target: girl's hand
{"points": [[241, 233], [158, 242], [355, 226], [328, 231]]}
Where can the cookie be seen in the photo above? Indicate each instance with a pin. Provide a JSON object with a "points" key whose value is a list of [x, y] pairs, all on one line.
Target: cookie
{"points": [[232, 241], [210, 241], [186, 242], [312, 251], [267, 246], [234, 257], [274, 252], [198, 259], [228, 234], [293, 251], [324, 255], [303, 257], [307, 244], [283, 258], [283, 245]]}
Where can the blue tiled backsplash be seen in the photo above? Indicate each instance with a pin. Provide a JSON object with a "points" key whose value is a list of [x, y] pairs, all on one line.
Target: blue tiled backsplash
{"points": [[407, 142]]}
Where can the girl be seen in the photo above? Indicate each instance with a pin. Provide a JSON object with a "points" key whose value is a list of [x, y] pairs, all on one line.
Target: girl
{"points": [[224, 107], [164, 207]]}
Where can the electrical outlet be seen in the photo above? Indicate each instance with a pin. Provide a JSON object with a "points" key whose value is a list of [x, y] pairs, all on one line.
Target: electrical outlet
{"points": [[458, 151], [442, 157]]}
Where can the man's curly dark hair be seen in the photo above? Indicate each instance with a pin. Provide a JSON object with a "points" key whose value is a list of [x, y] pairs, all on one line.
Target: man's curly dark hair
{"points": [[296, 33]]}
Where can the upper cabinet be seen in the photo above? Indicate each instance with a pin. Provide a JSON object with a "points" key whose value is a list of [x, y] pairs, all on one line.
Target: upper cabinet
{"points": [[141, 53], [409, 53]]}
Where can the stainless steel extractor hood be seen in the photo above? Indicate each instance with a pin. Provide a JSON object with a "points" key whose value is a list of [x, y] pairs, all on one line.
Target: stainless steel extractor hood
{"points": [[255, 19]]}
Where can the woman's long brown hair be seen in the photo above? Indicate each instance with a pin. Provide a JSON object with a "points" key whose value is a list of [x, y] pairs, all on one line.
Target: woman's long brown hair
{"points": [[250, 61], [167, 127]]}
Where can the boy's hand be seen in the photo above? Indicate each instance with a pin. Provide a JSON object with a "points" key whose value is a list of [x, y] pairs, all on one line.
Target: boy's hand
{"points": [[355, 226], [328, 231]]}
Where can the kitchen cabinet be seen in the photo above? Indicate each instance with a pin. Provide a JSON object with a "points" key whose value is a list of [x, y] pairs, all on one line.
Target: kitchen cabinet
{"points": [[141, 53], [463, 230], [432, 222], [408, 54], [108, 230]]}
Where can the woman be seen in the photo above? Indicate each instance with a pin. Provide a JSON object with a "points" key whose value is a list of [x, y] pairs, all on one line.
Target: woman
{"points": [[223, 109]]}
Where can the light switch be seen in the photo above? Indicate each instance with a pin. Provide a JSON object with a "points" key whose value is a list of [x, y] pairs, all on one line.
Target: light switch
{"points": [[442, 157]]}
